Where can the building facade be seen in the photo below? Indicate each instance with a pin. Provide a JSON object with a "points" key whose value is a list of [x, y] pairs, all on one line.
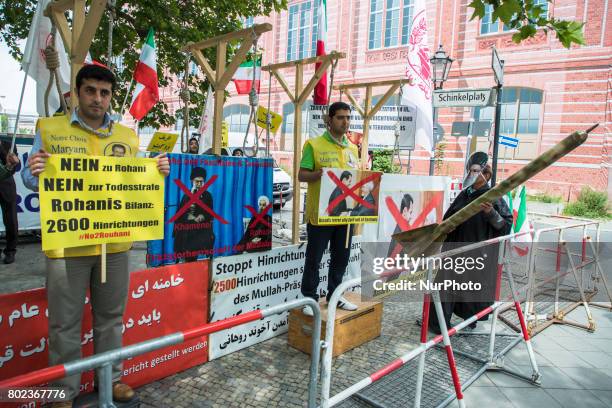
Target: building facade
{"points": [[549, 91]]}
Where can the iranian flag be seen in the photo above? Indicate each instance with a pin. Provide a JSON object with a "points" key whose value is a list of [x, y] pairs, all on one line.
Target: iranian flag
{"points": [[243, 77], [146, 93], [520, 222], [320, 91]]}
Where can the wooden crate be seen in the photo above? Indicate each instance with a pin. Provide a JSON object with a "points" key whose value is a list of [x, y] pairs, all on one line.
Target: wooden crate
{"points": [[351, 329]]}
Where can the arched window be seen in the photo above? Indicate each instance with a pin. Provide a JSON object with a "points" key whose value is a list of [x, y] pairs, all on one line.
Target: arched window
{"points": [[520, 118], [288, 118], [237, 117]]}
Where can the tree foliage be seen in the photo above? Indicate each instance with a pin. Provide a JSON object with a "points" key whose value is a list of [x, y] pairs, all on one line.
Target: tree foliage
{"points": [[176, 23], [526, 17]]}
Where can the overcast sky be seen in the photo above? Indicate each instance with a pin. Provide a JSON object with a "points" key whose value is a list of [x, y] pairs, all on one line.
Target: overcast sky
{"points": [[11, 80]]}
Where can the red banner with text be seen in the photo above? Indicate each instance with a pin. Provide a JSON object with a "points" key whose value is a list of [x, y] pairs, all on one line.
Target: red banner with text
{"points": [[161, 301]]}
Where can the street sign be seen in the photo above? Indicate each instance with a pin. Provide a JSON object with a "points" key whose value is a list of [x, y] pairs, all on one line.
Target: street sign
{"points": [[473, 128], [508, 141], [461, 97], [497, 65]]}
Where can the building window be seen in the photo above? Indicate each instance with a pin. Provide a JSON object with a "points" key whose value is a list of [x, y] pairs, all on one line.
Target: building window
{"points": [[302, 30], [237, 117], [520, 111], [385, 17], [487, 26], [407, 15], [520, 118], [288, 118]]}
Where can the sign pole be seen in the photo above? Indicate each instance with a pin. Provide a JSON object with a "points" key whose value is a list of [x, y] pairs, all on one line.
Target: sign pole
{"points": [[496, 135], [497, 65]]}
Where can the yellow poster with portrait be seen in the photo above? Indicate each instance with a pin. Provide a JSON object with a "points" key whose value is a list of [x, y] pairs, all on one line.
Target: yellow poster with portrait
{"points": [[87, 200]]}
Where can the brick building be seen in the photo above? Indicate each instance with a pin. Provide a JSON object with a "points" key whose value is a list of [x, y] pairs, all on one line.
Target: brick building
{"points": [[549, 91]]}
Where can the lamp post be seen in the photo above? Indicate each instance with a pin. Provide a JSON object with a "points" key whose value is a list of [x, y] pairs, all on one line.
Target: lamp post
{"points": [[440, 67]]}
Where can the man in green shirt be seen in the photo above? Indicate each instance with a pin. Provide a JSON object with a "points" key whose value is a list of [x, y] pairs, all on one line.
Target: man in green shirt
{"points": [[332, 149]]}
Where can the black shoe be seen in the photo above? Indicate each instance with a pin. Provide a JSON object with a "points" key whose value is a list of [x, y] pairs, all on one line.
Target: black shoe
{"points": [[9, 258]]}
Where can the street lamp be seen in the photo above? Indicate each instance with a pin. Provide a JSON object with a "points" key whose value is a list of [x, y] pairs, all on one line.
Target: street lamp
{"points": [[440, 66]]}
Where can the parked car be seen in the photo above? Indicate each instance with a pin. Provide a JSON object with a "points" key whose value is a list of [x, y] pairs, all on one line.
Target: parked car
{"points": [[282, 189]]}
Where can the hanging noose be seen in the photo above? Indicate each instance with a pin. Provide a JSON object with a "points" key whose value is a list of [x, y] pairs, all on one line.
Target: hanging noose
{"points": [[253, 102], [53, 63], [396, 147]]}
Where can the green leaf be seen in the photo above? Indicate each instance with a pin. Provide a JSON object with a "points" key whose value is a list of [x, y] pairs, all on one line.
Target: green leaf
{"points": [[527, 31], [507, 10], [479, 9]]}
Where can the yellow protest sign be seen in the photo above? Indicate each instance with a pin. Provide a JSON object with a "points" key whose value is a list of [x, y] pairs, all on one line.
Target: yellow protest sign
{"points": [[224, 133], [87, 200], [275, 119], [162, 142]]}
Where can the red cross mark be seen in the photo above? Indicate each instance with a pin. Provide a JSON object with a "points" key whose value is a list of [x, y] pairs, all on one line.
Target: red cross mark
{"points": [[349, 191], [259, 217], [194, 198], [403, 223]]}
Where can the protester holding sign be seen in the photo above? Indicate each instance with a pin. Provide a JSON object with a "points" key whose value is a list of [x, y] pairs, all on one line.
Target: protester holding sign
{"points": [[72, 271], [332, 149]]}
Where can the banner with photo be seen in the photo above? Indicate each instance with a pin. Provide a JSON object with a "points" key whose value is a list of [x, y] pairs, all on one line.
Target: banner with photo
{"points": [[247, 282], [382, 126], [160, 301], [408, 202], [348, 196], [215, 206]]}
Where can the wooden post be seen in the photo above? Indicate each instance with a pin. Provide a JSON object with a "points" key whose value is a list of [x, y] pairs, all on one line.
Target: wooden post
{"points": [[297, 154], [298, 97], [223, 72], [367, 113], [78, 40]]}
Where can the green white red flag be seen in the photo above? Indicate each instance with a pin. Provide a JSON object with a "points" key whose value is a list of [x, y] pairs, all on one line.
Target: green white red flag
{"points": [[520, 222], [243, 77], [146, 93]]}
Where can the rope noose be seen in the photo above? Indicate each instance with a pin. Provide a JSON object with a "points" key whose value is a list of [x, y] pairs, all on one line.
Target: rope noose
{"points": [[111, 22], [331, 84], [185, 97], [396, 147], [53, 63], [268, 114], [253, 102]]}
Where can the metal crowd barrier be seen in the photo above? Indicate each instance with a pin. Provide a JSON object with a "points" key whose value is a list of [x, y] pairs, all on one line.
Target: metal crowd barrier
{"points": [[104, 361], [444, 337], [584, 284]]}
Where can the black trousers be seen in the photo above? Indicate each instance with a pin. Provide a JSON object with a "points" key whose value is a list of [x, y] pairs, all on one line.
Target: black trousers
{"points": [[319, 236], [9, 217]]}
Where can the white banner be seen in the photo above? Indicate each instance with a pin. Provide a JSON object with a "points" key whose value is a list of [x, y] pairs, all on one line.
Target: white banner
{"points": [[243, 283], [382, 126], [418, 200], [28, 211]]}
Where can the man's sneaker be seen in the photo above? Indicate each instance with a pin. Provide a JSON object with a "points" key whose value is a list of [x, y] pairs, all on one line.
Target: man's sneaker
{"points": [[346, 305], [307, 311], [122, 392]]}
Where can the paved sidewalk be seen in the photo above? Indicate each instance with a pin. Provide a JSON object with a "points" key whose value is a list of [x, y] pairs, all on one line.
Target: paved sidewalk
{"points": [[576, 369]]}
